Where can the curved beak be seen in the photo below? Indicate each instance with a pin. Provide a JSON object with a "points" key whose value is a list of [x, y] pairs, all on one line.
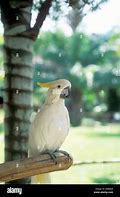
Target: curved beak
{"points": [[65, 92]]}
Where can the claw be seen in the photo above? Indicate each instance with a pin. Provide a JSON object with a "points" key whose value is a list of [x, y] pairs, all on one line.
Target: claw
{"points": [[52, 155], [63, 152]]}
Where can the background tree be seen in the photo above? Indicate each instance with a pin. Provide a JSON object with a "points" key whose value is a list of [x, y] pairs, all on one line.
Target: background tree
{"points": [[108, 80]]}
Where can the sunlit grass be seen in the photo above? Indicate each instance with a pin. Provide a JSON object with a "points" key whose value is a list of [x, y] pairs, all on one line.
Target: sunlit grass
{"points": [[89, 143]]}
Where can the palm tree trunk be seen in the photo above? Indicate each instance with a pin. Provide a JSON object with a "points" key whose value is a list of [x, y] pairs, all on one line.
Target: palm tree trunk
{"points": [[18, 84], [18, 96], [75, 106]]}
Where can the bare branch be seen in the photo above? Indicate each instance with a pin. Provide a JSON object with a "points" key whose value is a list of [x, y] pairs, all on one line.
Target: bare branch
{"points": [[43, 12]]}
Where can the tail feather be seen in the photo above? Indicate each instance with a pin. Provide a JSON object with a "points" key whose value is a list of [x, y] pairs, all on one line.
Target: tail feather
{"points": [[41, 179]]}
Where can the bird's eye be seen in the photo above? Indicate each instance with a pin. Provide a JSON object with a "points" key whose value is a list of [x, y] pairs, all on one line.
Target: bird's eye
{"points": [[59, 86]]}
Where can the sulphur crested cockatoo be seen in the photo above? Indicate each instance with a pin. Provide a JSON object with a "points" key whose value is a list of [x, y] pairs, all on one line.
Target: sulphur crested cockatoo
{"points": [[51, 124]]}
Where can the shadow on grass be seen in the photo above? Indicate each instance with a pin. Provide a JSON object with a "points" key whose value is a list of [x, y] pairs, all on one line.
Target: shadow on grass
{"points": [[104, 180]]}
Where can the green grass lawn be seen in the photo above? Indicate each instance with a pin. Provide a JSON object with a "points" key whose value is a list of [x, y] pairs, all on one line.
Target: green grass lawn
{"points": [[89, 143]]}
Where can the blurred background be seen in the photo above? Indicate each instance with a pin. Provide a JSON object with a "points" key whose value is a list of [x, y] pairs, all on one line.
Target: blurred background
{"points": [[86, 52]]}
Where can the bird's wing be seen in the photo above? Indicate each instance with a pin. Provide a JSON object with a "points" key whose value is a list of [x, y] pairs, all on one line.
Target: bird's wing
{"points": [[58, 129], [36, 135], [48, 131]]}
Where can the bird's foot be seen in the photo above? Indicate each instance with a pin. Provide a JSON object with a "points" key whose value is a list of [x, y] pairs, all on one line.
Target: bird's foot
{"points": [[52, 155], [63, 152]]}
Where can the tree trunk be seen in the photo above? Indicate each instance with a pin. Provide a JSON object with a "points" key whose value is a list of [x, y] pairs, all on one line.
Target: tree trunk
{"points": [[75, 107], [113, 102], [18, 82]]}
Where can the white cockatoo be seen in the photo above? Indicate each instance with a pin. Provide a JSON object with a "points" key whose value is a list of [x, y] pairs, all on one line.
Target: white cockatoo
{"points": [[51, 124]]}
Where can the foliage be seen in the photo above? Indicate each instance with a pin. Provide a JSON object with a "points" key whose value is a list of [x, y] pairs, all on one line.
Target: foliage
{"points": [[69, 50], [59, 58], [106, 78], [67, 54], [114, 43], [59, 7]]}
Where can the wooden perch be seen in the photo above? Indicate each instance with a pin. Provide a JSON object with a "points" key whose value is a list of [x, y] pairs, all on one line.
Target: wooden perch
{"points": [[39, 164]]}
